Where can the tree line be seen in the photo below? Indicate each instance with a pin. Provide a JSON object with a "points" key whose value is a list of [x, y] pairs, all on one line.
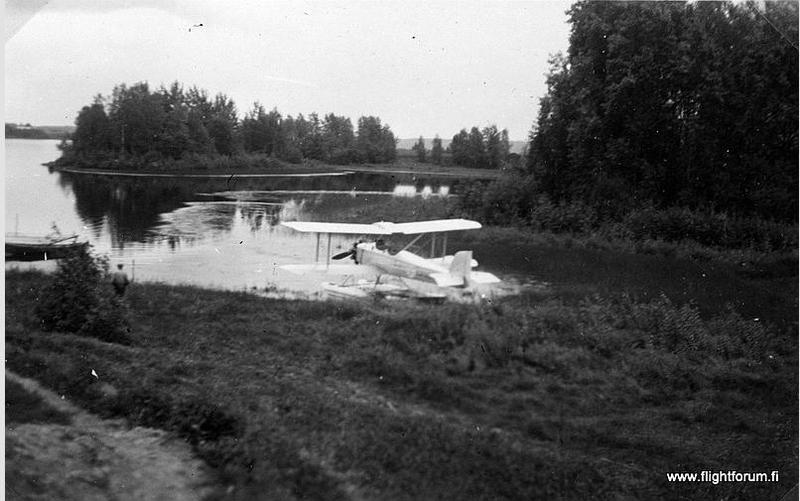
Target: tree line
{"points": [[170, 123], [487, 148], [28, 131], [673, 104]]}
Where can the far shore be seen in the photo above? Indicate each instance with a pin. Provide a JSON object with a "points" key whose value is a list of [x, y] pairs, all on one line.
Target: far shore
{"points": [[404, 168], [103, 172], [427, 169]]}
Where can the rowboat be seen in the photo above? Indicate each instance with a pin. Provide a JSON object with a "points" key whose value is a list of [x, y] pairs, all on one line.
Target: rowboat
{"points": [[37, 248]]}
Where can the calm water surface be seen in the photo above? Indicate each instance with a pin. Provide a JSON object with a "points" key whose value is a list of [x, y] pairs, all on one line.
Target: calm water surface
{"points": [[220, 232]]}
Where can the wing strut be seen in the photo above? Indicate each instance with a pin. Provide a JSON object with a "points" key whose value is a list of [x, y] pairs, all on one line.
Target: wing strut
{"points": [[412, 242], [328, 254], [316, 259]]}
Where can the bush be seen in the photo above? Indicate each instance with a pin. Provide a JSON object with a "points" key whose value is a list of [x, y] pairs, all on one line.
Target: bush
{"points": [[343, 156], [508, 200], [195, 420], [709, 228], [573, 217], [516, 199], [80, 300]]}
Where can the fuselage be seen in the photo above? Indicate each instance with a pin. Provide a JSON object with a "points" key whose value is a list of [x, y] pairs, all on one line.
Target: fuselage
{"points": [[403, 264]]}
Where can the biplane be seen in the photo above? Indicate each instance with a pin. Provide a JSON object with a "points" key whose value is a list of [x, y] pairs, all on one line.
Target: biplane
{"points": [[400, 273]]}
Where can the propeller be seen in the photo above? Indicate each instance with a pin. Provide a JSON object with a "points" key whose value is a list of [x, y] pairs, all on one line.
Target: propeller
{"points": [[347, 253], [343, 255]]}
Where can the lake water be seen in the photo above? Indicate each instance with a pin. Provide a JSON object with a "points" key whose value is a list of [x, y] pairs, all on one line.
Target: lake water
{"points": [[220, 232]]}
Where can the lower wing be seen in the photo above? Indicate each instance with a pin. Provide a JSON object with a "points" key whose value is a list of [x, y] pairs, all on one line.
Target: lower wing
{"points": [[354, 270]]}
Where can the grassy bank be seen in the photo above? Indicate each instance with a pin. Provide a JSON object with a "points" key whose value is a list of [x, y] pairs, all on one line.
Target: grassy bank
{"points": [[537, 397]]}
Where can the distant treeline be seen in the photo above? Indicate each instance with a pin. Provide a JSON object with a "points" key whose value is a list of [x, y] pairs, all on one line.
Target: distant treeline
{"points": [[487, 148], [665, 120], [673, 104], [28, 131], [171, 123], [140, 126]]}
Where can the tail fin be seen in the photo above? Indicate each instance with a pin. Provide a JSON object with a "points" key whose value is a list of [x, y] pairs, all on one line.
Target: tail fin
{"points": [[462, 264]]}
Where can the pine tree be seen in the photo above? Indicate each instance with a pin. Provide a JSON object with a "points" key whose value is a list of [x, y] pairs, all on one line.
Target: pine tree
{"points": [[419, 149], [437, 151]]}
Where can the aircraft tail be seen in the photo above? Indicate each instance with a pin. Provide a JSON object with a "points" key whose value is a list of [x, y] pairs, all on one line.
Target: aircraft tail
{"points": [[461, 267], [462, 264]]}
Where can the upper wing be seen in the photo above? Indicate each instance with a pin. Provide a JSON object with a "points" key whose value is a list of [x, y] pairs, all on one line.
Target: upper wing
{"points": [[435, 226], [385, 228], [344, 228]]}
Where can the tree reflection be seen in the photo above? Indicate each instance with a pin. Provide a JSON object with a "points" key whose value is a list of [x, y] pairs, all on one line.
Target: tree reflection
{"points": [[174, 210]]}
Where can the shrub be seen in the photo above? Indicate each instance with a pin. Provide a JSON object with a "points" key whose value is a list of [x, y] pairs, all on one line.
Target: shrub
{"points": [[80, 300], [733, 336], [343, 156], [677, 224], [516, 199], [664, 326], [573, 217], [195, 419], [508, 200]]}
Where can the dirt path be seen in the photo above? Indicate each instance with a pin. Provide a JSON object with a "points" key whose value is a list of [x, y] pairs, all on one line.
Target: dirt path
{"points": [[94, 459]]}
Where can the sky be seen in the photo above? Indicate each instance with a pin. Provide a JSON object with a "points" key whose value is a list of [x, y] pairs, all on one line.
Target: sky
{"points": [[423, 68]]}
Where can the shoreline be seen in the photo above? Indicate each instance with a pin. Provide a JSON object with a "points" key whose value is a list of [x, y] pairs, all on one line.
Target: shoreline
{"points": [[327, 171], [101, 172], [449, 172]]}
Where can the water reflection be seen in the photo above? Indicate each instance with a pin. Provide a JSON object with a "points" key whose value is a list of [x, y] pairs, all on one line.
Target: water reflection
{"points": [[142, 209], [204, 219]]}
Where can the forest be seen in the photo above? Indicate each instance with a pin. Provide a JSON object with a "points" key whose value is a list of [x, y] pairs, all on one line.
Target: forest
{"points": [[171, 123], [667, 121], [671, 104]]}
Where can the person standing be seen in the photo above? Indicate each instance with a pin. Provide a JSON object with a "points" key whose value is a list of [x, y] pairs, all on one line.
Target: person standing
{"points": [[119, 279]]}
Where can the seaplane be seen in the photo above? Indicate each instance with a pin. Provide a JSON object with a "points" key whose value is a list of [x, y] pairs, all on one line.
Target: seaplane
{"points": [[401, 273]]}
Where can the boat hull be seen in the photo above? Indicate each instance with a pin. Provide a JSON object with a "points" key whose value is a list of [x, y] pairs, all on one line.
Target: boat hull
{"points": [[39, 249]]}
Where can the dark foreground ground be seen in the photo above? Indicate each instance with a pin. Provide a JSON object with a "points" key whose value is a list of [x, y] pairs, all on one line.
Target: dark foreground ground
{"points": [[592, 389]]}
